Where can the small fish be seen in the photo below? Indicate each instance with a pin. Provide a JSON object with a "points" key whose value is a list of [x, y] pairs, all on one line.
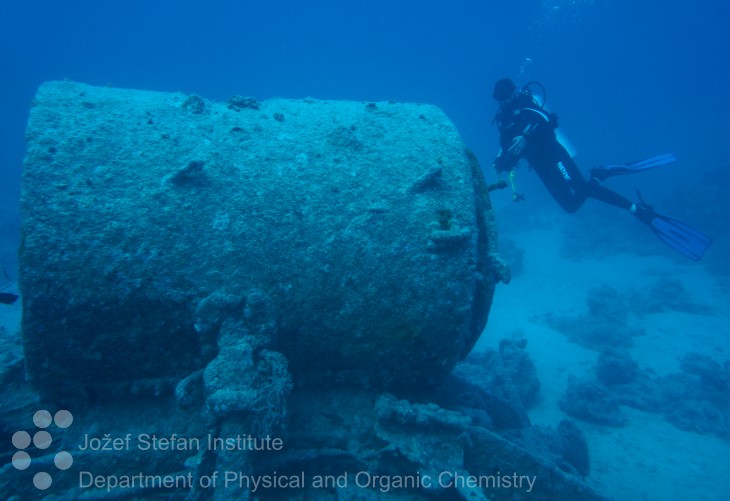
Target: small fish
{"points": [[8, 297]]}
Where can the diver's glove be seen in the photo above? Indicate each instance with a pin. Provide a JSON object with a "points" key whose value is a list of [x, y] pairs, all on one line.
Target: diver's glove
{"points": [[504, 162]]}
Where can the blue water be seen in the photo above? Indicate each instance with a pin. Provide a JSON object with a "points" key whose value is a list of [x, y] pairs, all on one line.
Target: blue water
{"points": [[628, 79]]}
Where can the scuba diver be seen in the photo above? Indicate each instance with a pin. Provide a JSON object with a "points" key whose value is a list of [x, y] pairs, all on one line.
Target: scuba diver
{"points": [[527, 130]]}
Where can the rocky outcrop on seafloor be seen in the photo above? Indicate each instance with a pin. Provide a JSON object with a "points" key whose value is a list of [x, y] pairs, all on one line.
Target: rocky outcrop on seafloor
{"points": [[265, 300], [696, 399]]}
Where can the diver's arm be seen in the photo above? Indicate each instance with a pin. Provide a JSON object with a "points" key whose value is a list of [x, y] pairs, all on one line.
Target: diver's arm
{"points": [[533, 124], [506, 159]]}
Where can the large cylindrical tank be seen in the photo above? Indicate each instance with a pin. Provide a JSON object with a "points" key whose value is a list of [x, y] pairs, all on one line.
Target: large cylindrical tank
{"points": [[356, 238]]}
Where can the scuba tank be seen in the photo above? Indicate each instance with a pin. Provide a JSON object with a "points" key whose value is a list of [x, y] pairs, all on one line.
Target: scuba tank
{"points": [[553, 117]]}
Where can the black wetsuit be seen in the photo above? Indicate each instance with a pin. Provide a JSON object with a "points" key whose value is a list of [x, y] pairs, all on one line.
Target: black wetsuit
{"points": [[524, 117]]}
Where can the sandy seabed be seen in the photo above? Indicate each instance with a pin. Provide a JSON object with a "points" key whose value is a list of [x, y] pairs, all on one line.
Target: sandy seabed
{"points": [[649, 459]]}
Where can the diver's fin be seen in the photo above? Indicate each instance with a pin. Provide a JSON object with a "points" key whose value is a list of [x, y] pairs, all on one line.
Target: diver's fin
{"points": [[603, 172], [680, 236]]}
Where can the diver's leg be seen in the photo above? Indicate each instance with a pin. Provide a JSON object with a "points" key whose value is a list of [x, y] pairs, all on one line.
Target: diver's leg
{"points": [[561, 177], [607, 196], [560, 188], [583, 188]]}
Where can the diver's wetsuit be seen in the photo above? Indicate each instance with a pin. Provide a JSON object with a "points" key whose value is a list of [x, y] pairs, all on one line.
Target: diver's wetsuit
{"points": [[522, 116]]}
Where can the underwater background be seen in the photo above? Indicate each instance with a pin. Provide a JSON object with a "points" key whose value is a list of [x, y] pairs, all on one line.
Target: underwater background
{"points": [[628, 80]]}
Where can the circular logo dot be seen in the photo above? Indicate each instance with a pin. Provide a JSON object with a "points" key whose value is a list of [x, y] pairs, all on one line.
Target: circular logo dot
{"points": [[21, 439], [21, 460], [42, 419], [63, 460], [42, 440], [42, 480], [63, 419]]}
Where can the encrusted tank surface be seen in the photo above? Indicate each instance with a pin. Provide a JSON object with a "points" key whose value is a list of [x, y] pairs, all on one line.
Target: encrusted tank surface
{"points": [[354, 238], [264, 300]]}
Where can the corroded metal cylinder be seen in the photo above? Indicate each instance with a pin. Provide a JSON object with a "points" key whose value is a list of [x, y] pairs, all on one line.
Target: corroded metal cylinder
{"points": [[355, 238]]}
